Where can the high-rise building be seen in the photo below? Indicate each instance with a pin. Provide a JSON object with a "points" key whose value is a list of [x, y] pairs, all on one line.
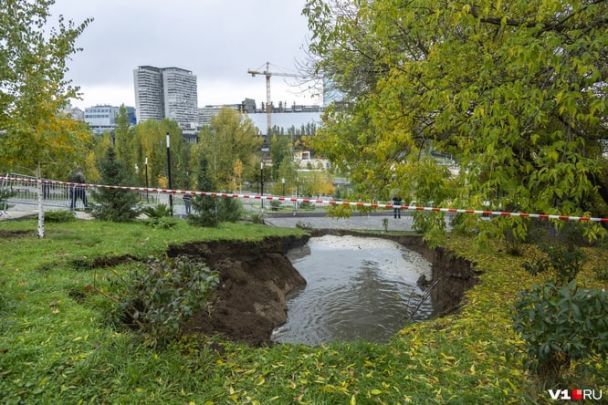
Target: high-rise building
{"points": [[148, 83], [180, 97], [167, 93]]}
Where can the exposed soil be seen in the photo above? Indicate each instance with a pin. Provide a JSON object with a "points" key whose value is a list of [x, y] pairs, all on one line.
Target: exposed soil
{"points": [[255, 277]]}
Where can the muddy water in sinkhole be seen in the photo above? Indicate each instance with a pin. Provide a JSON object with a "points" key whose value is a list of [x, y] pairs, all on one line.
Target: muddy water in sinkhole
{"points": [[357, 289]]}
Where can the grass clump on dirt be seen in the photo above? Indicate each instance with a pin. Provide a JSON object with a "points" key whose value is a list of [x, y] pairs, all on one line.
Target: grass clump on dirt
{"points": [[58, 343]]}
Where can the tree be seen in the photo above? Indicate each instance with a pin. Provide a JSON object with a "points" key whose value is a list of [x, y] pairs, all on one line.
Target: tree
{"points": [[33, 90], [123, 139], [516, 91], [149, 140], [205, 207], [114, 204], [280, 150], [229, 138]]}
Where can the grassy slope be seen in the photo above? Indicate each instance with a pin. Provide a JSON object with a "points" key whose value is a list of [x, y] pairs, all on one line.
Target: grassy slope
{"points": [[54, 349]]}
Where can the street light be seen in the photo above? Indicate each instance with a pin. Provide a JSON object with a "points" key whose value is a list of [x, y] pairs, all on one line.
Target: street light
{"points": [[262, 183], [169, 173], [283, 183], [146, 169]]}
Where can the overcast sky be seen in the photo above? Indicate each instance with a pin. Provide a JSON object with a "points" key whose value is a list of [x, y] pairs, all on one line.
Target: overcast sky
{"points": [[218, 40]]}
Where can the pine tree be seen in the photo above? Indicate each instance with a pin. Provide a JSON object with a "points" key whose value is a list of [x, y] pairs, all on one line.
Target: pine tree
{"points": [[205, 209], [114, 204]]}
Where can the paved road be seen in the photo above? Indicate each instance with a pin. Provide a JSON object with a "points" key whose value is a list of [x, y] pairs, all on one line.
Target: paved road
{"points": [[374, 222]]}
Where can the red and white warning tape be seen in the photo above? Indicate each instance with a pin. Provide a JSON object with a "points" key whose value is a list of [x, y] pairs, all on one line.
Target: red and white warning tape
{"points": [[214, 194]]}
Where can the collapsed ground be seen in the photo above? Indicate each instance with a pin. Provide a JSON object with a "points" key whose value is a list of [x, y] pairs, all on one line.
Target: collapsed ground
{"points": [[57, 346]]}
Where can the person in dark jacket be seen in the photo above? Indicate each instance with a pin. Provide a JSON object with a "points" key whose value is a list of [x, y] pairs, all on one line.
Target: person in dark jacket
{"points": [[77, 191], [188, 203], [397, 206]]}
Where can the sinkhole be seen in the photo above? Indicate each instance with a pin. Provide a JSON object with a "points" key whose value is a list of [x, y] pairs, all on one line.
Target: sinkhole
{"points": [[358, 288]]}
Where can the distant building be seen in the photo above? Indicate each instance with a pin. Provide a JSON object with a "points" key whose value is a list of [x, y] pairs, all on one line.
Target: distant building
{"points": [[74, 112], [167, 93], [132, 114], [304, 160], [249, 105], [149, 102], [102, 118], [206, 114]]}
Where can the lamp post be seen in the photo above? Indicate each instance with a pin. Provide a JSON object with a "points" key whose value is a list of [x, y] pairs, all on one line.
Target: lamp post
{"points": [[283, 183], [169, 173], [262, 183], [146, 170]]}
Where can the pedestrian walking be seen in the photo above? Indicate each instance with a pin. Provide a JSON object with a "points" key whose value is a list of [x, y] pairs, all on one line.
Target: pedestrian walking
{"points": [[188, 203], [397, 206], [77, 191]]}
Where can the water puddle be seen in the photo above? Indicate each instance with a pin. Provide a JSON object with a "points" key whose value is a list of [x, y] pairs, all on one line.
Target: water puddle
{"points": [[357, 289]]}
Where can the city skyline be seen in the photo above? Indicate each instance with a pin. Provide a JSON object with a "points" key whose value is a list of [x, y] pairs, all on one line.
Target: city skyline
{"points": [[208, 38]]}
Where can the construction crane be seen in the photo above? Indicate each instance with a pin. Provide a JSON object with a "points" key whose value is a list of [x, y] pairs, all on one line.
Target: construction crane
{"points": [[268, 75]]}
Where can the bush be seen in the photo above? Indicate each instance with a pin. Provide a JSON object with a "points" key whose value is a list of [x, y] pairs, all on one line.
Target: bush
{"points": [[256, 217], [339, 211], [560, 324], [159, 211], [229, 210], [275, 205], [162, 297], [601, 273], [59, 216], [558, 321], [159, 217], [205, 212]]}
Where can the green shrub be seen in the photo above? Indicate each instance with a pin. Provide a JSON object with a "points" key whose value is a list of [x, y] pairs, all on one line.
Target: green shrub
{"points": [[205, 211], [339, 211], [158, 211], [601, 273], [558, 321], [560, 324], [275, 205], [59, 216], [159, 217], [565, 262], [256, 217], [229, 210], [307, 205], [163, 296]]}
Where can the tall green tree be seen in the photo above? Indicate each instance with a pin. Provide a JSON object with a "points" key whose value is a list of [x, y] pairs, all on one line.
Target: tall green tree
{"points": [[114, 204], [515, 91], [149, 140], [33, 88], [124, 139], [229, 138], [205, 207], [280, 150]]}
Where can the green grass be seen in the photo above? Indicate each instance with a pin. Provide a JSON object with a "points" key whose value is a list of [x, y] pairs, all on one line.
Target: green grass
{"points": [[55, 349]]}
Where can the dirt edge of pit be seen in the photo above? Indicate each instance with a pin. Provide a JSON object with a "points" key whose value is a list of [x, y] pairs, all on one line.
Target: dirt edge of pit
{"points": [[255, 278]]}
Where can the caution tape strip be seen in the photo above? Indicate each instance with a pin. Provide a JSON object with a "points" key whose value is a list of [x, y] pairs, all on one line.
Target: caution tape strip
{"points": [[214, 194]]}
